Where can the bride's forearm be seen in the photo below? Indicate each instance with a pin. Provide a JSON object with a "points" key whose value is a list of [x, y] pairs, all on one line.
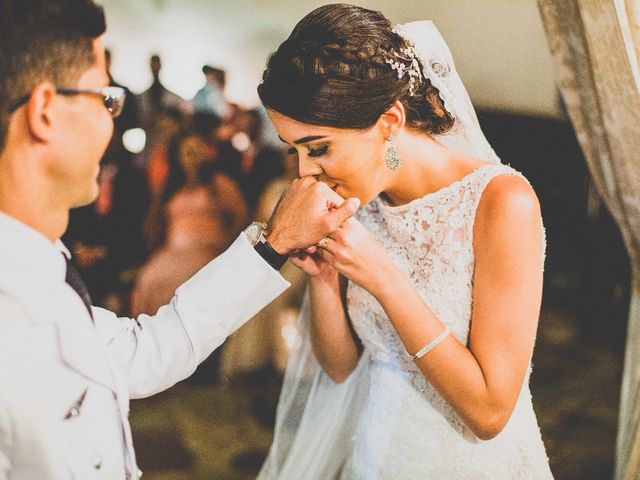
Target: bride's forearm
{"points": [[475, 393], [333, 339]]}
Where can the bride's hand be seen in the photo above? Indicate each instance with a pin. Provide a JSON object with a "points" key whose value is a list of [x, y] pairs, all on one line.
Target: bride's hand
{"points": [[311, 263], [357, 255]]}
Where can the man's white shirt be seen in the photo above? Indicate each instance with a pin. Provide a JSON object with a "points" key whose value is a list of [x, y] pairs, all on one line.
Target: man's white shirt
{"points": [[65, 383]]}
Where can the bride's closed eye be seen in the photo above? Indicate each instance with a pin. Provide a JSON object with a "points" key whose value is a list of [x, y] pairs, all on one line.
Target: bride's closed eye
{"points": [[313, 152]]}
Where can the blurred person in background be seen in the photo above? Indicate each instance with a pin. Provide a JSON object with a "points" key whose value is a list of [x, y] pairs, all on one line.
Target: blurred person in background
{"points": [[251, 162], [268, 339], [153, 104], [168, 125], [157, 98], [199, 214], [173, 125], [210, 98]]}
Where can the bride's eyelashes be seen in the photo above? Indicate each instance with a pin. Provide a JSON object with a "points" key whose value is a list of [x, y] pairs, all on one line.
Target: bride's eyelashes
{"points": [[318, 152], [313, 152]]}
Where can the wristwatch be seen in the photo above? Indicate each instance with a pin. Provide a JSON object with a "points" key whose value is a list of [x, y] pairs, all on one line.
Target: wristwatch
{"points": [[256, 234]]}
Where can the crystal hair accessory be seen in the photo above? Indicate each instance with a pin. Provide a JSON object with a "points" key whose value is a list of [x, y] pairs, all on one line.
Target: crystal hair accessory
{"points": [[434, 55], [405, 61]]}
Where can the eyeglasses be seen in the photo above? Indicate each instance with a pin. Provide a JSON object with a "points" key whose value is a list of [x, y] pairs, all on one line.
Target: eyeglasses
{"points": [[112, 97]]}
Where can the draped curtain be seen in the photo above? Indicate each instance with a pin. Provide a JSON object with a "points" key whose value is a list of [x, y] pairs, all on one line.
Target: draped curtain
{"points": [[596, 46]]}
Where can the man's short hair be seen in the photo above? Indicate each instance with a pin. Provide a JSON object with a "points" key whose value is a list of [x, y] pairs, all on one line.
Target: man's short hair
{"points": [[44, 40]]}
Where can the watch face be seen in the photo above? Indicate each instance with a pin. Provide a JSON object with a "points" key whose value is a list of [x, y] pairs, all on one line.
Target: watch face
{"points": [[253, 232]]}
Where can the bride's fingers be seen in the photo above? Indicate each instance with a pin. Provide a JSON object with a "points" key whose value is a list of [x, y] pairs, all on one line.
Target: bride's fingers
{"points": [[327, 255]]}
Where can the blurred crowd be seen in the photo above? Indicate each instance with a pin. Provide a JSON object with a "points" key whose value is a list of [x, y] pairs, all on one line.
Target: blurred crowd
{"points": [[179, 181]]}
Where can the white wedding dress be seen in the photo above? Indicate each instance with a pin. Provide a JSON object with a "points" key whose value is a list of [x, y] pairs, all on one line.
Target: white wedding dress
{"points": [[386, 421], [406, 430]]}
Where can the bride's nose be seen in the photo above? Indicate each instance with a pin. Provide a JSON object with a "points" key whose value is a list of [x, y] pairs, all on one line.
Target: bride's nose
{"points": [[308, 167]]}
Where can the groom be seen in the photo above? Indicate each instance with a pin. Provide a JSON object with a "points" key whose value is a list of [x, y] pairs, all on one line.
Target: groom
{"points": [[67, 370]]}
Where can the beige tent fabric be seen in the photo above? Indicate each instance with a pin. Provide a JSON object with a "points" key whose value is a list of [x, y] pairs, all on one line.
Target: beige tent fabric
{"points": [[596, 46]]}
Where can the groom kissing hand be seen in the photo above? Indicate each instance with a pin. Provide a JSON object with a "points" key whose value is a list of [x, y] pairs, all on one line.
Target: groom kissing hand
{"points": [[305, 210], [68, 369]]}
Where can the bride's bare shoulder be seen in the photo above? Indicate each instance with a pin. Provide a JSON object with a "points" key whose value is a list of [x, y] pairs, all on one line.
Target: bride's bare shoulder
{"points": [[508, 208]]}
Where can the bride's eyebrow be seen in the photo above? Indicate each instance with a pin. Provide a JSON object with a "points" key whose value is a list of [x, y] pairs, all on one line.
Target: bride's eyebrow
{"points": [[308, 139]]}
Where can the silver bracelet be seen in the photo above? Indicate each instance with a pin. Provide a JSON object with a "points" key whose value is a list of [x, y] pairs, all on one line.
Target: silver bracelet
{"points": [[429, 346]]}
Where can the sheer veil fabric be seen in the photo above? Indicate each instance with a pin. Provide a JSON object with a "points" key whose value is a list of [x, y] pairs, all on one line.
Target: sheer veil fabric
{"points": [[437, 62], [316, 418]]}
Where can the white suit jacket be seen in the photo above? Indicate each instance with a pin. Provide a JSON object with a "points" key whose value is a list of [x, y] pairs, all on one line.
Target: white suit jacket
{"points": [[65, 383]]}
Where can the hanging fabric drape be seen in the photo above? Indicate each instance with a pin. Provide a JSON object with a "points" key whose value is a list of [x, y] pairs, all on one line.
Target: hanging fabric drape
{"points": [[596, 46]]}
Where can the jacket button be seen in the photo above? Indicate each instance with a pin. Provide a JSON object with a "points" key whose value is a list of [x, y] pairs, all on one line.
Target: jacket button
{"points": [[97, 462]]}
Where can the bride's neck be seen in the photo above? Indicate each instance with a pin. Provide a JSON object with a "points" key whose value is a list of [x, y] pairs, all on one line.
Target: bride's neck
{"points": [[426, 167]]}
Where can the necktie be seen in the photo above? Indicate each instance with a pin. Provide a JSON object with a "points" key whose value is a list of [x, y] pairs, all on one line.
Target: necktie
{"points": [[75, 281]]}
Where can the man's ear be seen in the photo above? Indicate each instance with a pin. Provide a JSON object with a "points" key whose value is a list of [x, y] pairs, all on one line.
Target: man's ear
{"points": [[393, 120], [40, 111]]}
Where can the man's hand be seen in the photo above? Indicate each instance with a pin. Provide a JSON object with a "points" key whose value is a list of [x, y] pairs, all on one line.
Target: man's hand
{"points": [[307, 212]]}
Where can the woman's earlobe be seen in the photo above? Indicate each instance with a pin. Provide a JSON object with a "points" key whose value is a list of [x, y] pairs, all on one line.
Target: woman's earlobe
{"points": [[394, 119]]}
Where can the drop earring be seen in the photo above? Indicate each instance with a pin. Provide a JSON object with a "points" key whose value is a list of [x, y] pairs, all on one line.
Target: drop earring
{"points": [[391, 155]]}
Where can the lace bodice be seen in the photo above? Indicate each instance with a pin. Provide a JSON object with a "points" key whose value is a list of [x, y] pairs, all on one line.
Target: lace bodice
{"points": [[431, 240]]}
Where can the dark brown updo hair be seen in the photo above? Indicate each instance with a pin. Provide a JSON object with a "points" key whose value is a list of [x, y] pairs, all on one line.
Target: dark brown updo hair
{"points": [[332, 71]]}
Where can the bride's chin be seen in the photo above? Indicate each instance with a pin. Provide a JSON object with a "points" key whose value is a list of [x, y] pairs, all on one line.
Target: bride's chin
{"points": [[346, 193], [364, 199]]}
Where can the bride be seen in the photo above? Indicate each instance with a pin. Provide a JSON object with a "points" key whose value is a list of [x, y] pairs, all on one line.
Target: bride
{"points": [[421, 316]]}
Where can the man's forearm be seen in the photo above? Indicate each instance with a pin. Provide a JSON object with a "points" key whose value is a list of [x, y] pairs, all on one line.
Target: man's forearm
{"points": [[157, 351]]}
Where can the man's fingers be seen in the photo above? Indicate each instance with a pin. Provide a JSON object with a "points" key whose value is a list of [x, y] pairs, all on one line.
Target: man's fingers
{"points": [[344, 211], [324, 243]]}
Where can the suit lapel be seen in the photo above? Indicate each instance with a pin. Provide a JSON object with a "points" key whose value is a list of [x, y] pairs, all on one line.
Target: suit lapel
{"points": [[82, 350], [55, 303]]}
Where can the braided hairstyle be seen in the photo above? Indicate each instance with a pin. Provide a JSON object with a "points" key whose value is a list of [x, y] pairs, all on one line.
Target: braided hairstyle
{"points": [[332, 71]]}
